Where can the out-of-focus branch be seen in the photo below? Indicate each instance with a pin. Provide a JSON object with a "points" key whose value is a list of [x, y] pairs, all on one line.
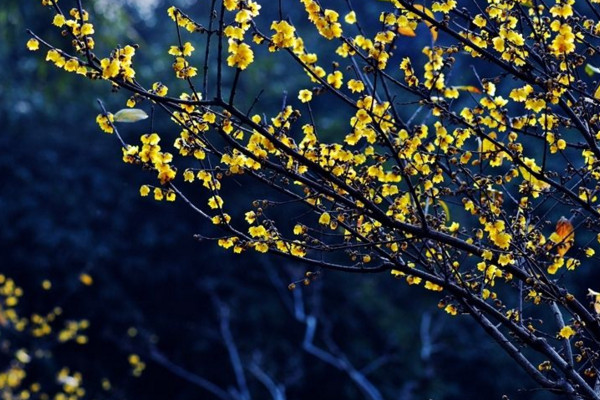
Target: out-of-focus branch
{"points": [[223, 312], [339, 362], [190, 377], [276, 390], [428, 337]]}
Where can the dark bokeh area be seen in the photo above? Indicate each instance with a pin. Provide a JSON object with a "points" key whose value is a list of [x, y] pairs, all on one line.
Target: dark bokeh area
{"points": [[191, 311]]}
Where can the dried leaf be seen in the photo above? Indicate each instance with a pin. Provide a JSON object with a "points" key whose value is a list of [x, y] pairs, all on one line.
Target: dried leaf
{"points": [[427, 11], [445, 208], [406, 31], [564, 229], [591, 70], [130, 115], [409, 32], [472, 89]]}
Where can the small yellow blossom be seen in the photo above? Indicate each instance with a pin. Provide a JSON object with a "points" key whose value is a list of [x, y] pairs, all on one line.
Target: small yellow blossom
{"points": [[433, 286], [298, 229], [250, 217], [258, 231], [566, 332], [33, 44], [241, 55], [215, 202], [144, 190], [283, 36], [356, 86], [305, 95], [58, 20], [324, 219], [87, 29], [105, 122], [350, 18], [171, 195], [261, 247], [335, 79]]}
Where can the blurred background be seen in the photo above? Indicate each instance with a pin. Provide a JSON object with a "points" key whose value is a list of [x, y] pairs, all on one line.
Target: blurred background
{"points": [[203, 322]]}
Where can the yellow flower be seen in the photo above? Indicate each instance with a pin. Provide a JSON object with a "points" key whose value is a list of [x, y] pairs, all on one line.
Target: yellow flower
{"points": [[221, 219], [188, 176], [305, 95], [175, 51], [566, 332], [536, 105], [144, 190], [283, 36], [261, 247], [487, 255], [564, 42], [110, 67], [71, 65], [258, 231], [537, 184], [59, 20], [298, 229], [234, 32], [451, 309], [87, 29], [521, 94], [241, 55], [227, 242], [324, 219], [350, 18], [433, 286], [479, 21], [250, 217], [105, 122], [505, 259], [215, 202], [297, 250], [453, 227], [563, 10], [396, 273], [356, 86], [335, 79], [444, 7], [33, 44], [187, 49], [502, 240]]}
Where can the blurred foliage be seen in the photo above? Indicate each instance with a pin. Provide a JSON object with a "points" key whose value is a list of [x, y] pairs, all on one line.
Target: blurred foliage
{"points": [[68, 206]]}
